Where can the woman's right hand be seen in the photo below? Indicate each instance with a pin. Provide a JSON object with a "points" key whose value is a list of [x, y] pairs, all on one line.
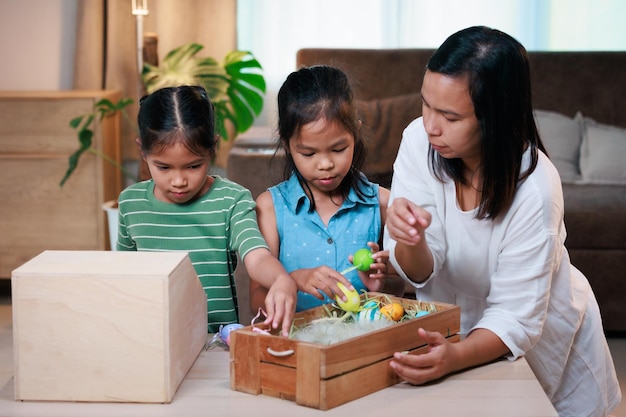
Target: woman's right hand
{"points": [[406, 221], [322, 278]]}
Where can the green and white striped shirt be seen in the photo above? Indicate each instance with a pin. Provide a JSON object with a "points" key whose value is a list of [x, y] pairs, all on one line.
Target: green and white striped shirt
{"points": [[212, 229]]}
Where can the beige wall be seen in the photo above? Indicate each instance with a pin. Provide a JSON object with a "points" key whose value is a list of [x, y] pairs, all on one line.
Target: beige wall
{"points": [[37, 44]]}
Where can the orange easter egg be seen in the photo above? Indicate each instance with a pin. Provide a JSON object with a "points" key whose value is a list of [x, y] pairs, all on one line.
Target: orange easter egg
{"points": [[393, 311]]}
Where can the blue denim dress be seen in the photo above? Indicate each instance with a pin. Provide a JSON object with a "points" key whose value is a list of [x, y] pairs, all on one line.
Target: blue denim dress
{"points": [[305, 242]]}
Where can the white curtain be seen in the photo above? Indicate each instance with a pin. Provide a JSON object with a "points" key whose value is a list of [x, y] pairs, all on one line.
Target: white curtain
{"points": [[274, 30]]}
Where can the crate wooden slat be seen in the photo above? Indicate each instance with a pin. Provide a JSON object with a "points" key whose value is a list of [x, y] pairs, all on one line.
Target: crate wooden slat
{"points": [[325, 376], [106, 326]]}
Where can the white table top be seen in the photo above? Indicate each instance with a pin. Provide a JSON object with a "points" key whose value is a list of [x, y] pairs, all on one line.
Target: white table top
{"points": [[499, 389]]}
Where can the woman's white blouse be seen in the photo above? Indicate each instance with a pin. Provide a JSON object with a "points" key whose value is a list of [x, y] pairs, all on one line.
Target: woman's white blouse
{"points": [[511, 276]]}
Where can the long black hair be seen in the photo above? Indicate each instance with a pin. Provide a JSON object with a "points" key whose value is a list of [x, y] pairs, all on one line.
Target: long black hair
{"points": [[498, 74], [313, 93]]}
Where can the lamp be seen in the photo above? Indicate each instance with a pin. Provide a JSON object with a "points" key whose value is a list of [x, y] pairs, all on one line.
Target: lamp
{"points": [[139, 9]]}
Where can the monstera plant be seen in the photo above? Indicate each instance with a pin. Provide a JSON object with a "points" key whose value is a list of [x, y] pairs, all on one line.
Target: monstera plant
{"points": [[236, 87]]}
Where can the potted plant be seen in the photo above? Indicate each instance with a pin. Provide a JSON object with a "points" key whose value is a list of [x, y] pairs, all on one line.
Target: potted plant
{"points": [[84, 125], [236, 88]]}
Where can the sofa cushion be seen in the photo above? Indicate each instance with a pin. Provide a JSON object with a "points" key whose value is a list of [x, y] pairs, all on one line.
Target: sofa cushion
{"points": [[384, 121], [594, 216], [603, 153], [253, 163], [561, 135]]}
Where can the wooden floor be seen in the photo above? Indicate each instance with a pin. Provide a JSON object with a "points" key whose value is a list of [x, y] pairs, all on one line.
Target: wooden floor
{"points": [[617, 345]]}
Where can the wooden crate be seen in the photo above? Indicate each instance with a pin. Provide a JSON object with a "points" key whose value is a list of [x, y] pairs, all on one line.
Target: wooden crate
{"points": [[325, 376], [106, 326]]}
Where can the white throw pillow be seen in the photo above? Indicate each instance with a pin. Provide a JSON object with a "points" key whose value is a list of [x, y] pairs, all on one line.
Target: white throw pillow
{"points": [[603, 153], [562, 136]]}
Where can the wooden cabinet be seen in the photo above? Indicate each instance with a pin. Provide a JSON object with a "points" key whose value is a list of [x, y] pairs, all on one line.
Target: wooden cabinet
{"points": [[35, 142]]}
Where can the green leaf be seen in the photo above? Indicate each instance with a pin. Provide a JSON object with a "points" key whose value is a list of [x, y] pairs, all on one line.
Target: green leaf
{"points": [[85, 137], [123, 103], [220, 127], [246, 89], [179, 67], [105, 105], [75, 122], [244, 115], [83, 125]]}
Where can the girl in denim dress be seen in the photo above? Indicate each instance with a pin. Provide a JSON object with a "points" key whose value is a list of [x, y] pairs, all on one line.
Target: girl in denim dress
{"points": [[326, 208]]}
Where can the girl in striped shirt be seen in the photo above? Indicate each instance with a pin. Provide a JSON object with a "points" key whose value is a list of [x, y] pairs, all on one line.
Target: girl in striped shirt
{"points": [[182, 208]]}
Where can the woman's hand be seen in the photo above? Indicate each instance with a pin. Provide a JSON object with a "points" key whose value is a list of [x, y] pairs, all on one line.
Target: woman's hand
{"points": [[406, 224], [419, 369], [322, 278], [443, 357], [406, 221]]}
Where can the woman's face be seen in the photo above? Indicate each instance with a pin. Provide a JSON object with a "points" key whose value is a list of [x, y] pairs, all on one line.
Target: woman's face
{"points": [[449, 118]]}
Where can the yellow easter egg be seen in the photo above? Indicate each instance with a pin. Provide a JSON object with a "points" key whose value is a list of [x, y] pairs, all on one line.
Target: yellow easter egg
{"points": [[393, 311], [353, 303]]}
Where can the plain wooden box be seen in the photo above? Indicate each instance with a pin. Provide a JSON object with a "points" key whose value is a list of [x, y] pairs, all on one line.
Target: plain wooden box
{"points": [[106, 326], [325, 376]]}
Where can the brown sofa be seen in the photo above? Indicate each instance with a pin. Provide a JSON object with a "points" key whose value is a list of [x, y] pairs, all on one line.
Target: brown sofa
{"points": [[577, 94]]}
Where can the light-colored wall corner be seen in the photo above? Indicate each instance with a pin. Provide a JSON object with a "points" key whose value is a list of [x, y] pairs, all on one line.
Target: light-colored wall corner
{"points": [[37, 44]]}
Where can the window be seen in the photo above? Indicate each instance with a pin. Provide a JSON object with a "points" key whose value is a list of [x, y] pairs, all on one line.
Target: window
{"points": [[274, 30]]}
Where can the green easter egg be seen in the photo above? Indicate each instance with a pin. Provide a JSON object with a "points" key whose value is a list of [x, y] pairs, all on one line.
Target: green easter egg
{"points": [[363, 259]]}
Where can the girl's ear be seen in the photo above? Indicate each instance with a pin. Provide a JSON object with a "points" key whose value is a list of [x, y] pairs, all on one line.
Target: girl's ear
{"points": [[360, 124]]}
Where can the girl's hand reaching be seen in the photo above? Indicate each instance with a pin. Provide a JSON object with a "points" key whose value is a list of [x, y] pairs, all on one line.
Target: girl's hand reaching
{"points": [[280, 304], [374, 279], [280, 299], [322, 278]]}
